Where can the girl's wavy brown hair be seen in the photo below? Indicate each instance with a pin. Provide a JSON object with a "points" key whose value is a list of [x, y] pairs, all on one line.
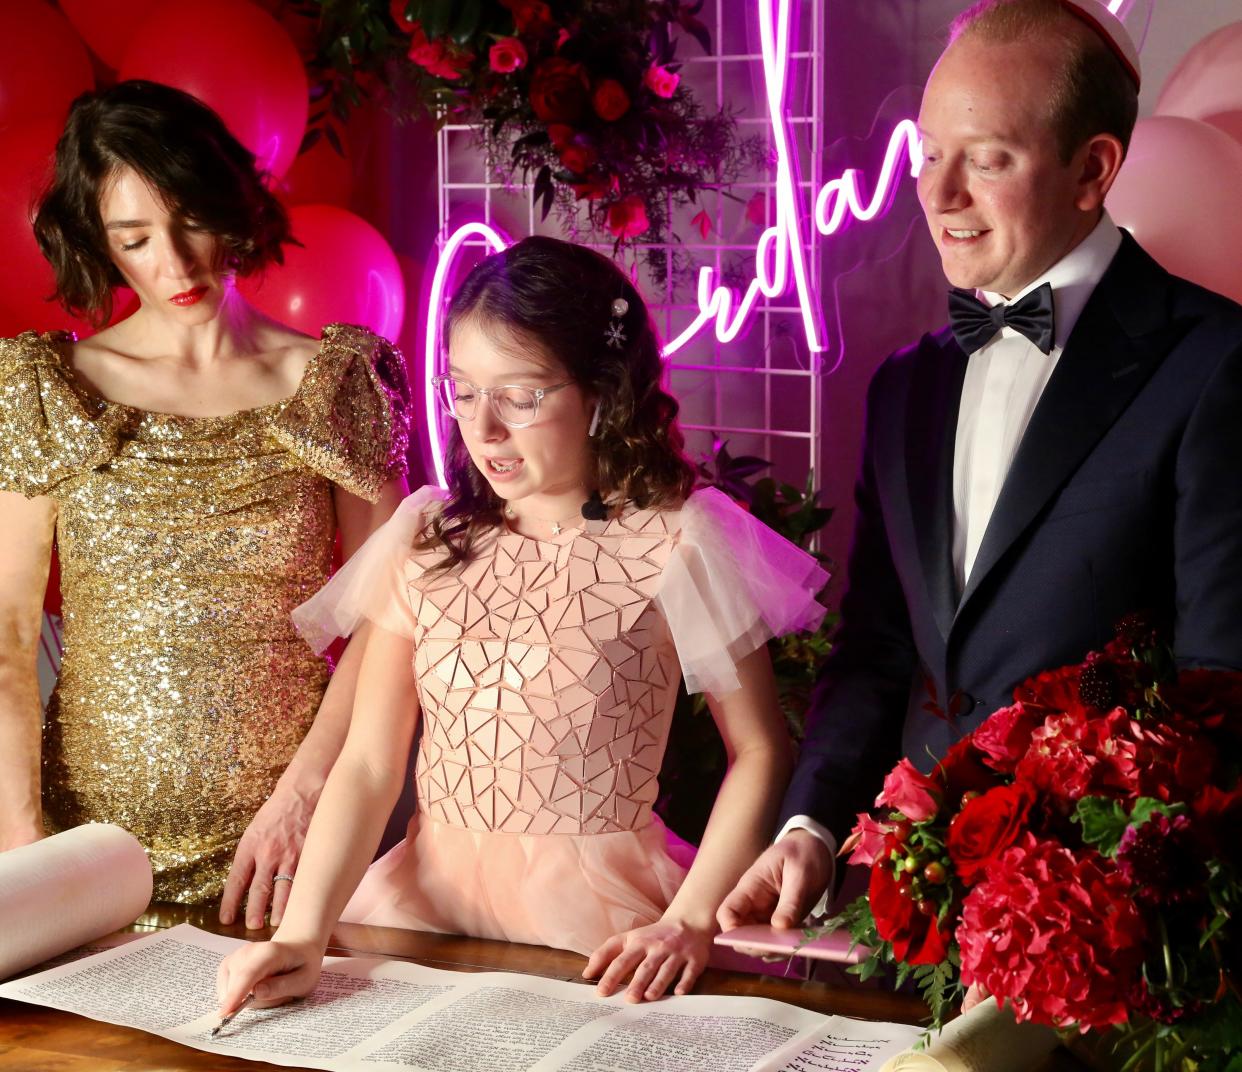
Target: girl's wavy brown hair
{"points": [[554, 299], [184, 150]]}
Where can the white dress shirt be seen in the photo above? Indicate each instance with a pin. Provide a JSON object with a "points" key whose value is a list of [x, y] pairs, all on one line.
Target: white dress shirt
{"points": [[1004, 381]]}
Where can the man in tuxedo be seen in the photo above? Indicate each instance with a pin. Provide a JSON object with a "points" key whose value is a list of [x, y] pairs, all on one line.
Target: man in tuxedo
{"points": [[1064, 454]]}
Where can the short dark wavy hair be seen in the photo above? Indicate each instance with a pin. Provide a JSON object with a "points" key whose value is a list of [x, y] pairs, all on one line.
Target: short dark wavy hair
{"points": [[557, 298], [184, 150]]}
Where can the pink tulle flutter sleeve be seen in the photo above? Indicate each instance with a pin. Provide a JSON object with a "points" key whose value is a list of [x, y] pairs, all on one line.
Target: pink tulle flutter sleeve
{"points": [[730, 585], [373, 583]]}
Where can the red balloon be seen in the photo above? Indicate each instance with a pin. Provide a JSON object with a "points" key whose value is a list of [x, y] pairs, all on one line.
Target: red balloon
{"points": [[344, 271], [26, 152], [235, 57], [107, 25], [43, 63], [26, 304]]}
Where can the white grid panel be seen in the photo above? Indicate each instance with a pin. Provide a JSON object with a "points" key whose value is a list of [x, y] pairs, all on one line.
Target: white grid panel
{"points": [[761, 391]]}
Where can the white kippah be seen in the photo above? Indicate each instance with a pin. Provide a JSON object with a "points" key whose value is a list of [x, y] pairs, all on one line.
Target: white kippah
{"points": [[1097, 15]]}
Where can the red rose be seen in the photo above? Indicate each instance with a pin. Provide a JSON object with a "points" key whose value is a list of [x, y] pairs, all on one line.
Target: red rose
{"points": [[578, 158], [610, 100], [558, 90], [529, 16], [435, 57], [1006, 735], [1054, 932], [507, 55], [596, 188], [916, 938], [628, 217], [986, 827], [661, 81], [910, 792]]}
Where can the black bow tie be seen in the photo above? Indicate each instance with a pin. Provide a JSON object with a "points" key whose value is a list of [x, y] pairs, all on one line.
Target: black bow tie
{"points": [[974, 324]]}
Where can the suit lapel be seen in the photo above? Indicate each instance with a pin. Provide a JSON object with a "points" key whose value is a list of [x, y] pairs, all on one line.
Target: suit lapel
{"points": [[1119, 339], [931, 427]]}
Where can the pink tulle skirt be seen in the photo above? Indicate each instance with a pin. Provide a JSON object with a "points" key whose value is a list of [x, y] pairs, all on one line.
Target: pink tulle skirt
{"points": [[566, 891]]}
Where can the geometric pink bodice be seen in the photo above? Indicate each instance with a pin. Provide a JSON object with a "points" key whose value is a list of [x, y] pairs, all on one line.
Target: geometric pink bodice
{"points": [[547, 678]]}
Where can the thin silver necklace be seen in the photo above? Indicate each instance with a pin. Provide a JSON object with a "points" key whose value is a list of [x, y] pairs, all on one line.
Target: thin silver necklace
{"points": [[511, 514]]}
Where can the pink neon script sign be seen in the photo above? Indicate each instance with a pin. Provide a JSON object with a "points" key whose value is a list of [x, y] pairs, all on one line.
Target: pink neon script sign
{"points": [[780, 253]]}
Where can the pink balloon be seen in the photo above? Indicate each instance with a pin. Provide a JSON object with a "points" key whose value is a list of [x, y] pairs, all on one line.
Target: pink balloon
{"points": [[43, 63], [1207, 83], [344, 271], [1178, 194], [235, 57], [107, 25]]}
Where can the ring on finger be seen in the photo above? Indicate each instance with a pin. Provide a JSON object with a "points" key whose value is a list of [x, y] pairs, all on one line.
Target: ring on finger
{"points": [[282, 878]]}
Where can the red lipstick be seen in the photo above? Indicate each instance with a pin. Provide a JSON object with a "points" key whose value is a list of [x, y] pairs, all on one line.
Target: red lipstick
{"points": [[189, 297]]}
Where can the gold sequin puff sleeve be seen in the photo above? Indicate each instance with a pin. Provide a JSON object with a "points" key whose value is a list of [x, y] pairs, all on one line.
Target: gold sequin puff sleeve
{"points": [[350, 421], [49, 431]]}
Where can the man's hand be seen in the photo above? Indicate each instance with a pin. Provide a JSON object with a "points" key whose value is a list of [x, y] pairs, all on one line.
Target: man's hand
{"points": [[782, 886]]}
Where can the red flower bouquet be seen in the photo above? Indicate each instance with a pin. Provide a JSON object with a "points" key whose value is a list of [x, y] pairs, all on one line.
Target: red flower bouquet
{"points": [[583, 99], [1077, 856]]}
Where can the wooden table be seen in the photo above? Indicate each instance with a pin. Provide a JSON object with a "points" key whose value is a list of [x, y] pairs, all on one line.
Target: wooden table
{"points": [[36, 1039]]}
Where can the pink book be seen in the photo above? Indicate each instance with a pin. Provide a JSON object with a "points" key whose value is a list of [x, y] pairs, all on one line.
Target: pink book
{"points": [[761, 940]]}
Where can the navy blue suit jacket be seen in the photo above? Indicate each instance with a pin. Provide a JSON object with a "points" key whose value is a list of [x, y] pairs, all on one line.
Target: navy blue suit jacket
{"points": [[1125, 494]]}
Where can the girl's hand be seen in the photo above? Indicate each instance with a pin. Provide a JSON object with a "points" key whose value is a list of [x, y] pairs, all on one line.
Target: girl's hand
{"points": [[274, 971], [655, 955]]}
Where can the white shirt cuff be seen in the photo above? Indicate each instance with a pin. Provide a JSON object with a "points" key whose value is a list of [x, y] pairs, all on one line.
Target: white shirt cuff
{"points": [[805, 822]]}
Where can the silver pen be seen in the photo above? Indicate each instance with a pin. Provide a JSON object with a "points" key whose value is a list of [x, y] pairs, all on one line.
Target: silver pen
{"points": [[229, 1019]]}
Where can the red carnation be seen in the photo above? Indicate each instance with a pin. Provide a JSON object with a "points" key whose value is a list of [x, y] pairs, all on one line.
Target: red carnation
{"points": [[558, 90], [1057, 934], [986, 827], [910, 792], [916, 937], [610, 100], [628, 217], [507, 55]]}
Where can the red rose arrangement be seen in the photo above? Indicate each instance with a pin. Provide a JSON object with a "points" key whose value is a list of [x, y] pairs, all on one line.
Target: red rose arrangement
{"points": [[581, 98], [1078, 857]]}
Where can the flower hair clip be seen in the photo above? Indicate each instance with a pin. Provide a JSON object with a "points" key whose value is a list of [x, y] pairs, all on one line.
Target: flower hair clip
{"points": [[614, 332]]}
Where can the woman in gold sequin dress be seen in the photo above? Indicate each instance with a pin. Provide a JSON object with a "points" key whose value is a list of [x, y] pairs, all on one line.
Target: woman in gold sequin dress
{"points": [[194, 465], [541, 642]]}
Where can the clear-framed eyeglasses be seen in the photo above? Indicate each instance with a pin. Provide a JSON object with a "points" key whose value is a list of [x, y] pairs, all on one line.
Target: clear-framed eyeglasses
{"points": [[514, 405]]}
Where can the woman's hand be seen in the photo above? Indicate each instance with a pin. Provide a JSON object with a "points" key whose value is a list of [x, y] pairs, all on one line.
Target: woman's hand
{"points": [[271, 846], [273, 971], [655, 954]]}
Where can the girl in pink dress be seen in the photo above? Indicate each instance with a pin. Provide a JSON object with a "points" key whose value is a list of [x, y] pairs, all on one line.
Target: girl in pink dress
{"points": [[537, 617]]}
